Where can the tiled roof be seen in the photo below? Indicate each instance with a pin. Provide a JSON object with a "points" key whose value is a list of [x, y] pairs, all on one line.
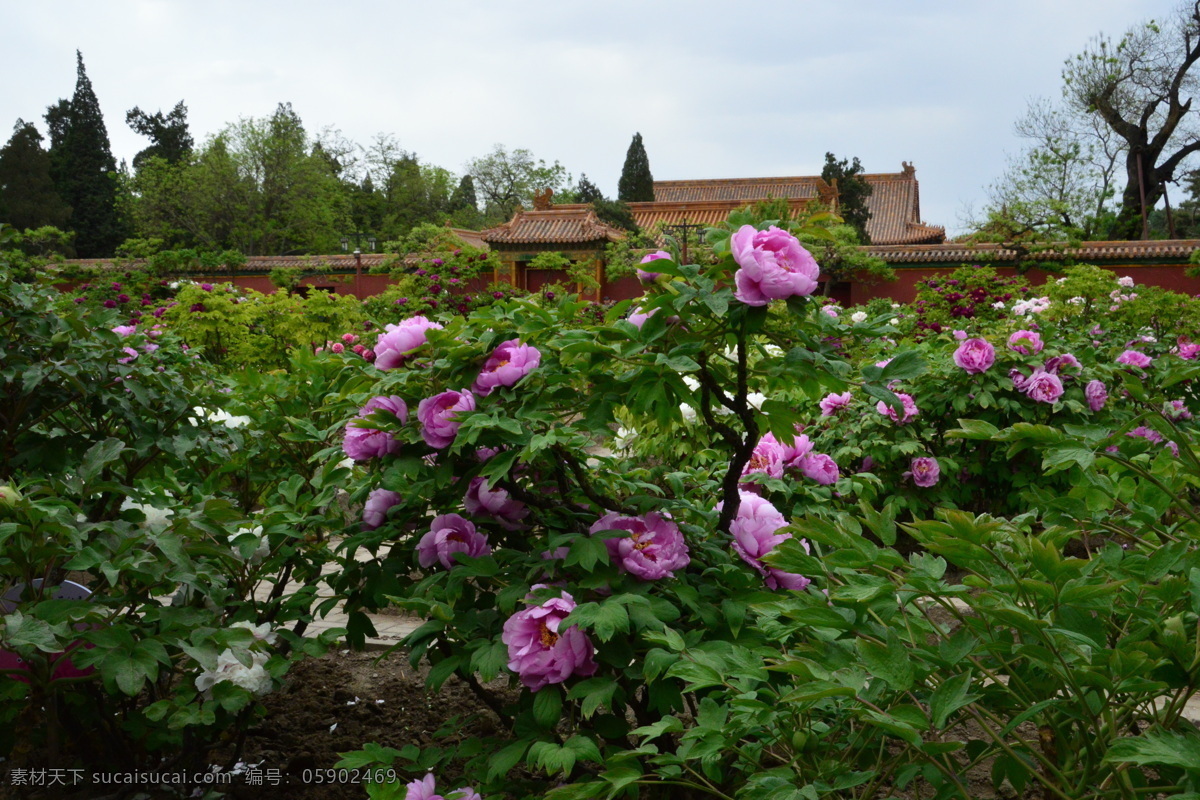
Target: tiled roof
{"points": [[894, 203], [563, 224], [953, 252]]}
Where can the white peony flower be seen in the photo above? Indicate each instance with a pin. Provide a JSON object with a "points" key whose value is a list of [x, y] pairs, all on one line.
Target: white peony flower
{"points": [[756, 399], [624, 438], [261, 551], [773, 350], [1076, 301], [858, 316], [689, 413], [155, 517], [691, 383], [999, 305], [253, 678], [1125, 280], [894, 321]]}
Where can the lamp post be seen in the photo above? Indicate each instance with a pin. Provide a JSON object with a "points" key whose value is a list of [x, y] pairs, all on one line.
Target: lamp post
{"points": [[681, 230], [358, 237]]}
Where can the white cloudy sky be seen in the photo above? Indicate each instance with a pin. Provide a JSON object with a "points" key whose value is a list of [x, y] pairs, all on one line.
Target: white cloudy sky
{"points": [[764, 90]]}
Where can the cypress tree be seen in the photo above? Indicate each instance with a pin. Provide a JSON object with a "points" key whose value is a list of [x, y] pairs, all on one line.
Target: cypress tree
{"points": [[853, 192], [588, 192], [169, 135], [27, 195], [636, 184], [464, 195], [84, 170]]}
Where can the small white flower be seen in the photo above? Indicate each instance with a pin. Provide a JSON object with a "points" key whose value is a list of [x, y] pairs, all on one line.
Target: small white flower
{"points": [[1125, 280], [1076, 301], [894, 321], [624, 438], [999, 305], [773, 350], [858, 316], [688, 413], [155, 517], [756, 399], [1061, 280], [261, 551], [253, 678], [895, 305]]}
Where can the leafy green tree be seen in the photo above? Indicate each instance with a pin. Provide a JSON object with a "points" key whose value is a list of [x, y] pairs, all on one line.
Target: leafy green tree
{"points": [[169, 134], [27, 195], [506, 180], [852, 192], [84, 170], [1141, 87], [464, 195], [586, 191], [636, 184]]}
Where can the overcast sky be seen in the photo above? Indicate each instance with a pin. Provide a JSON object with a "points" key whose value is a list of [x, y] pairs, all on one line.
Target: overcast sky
{"points": [[762, 91]]}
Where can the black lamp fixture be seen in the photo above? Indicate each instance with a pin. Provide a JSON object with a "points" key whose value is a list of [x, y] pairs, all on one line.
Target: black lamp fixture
{"points": [[358, 237]]}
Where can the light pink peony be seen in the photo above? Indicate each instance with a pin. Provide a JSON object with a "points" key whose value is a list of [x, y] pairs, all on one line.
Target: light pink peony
{"points": [[362, 444], [379, 501], [975, 356], [754, 535], [125, 330], [1058, 363], [1149, 434], [539, 652], [654, 548], [1176, 410], [1096, 394], [766, 459], [650, 277], [772, 266], [909, 408], [1134, 358], [426, 789], [398, 342], [1042, 386], [833, 403], [507, 364], [438, 416], [925, 471], [819, 467], [495, 503], [1025, 341], [637, 318], [450, 534]]}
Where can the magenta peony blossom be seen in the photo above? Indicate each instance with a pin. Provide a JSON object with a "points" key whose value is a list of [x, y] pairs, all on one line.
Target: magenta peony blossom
{"points": [[438, 416], [975, 356], [1175, 410], [1023, 341], [539, 651], [1188, 351], [1096, 394], [772, 266], [362, 444], [496, 503], [377, 505], [337, 347], [766, 459], [925, 471], [426, 789], [507, 364], [399, 341], [1149, 434], [1058, 363], [909, 406], [1134, 358], [820, 468], [754, 535], [1042, 386], [653, 549], [650, 277], [833, 403], [450, 534]]}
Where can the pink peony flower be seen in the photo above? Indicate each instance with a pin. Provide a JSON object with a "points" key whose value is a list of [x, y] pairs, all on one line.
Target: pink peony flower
{"points": [[909, 406], [925, 471], [1188, 351], [1023, 341], [450, 534], [820, 468], [1042, 386], [1134, 358], [377, 505], [960, 335], [650, 277], [1175, 410], [833, 403], [1096, 394], [975, 356], [637, 319], [349, 338], [337, 347], [399, 341], [362, 444], [426, 789], [1149, 434], [754, 535], [653, 549], [766, 459], [507, 364], [540, 652], [438, 416], [772, 266], [496, 503], [1058, 363], [125, 330]]}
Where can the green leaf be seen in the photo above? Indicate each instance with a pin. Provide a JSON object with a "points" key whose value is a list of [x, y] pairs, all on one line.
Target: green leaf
{"points": [[504, 760], [547, 706], [1159, 747], [97, 456], [890, 662], [973, 429], [587, 551], [697, 676], [949, 697]]}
